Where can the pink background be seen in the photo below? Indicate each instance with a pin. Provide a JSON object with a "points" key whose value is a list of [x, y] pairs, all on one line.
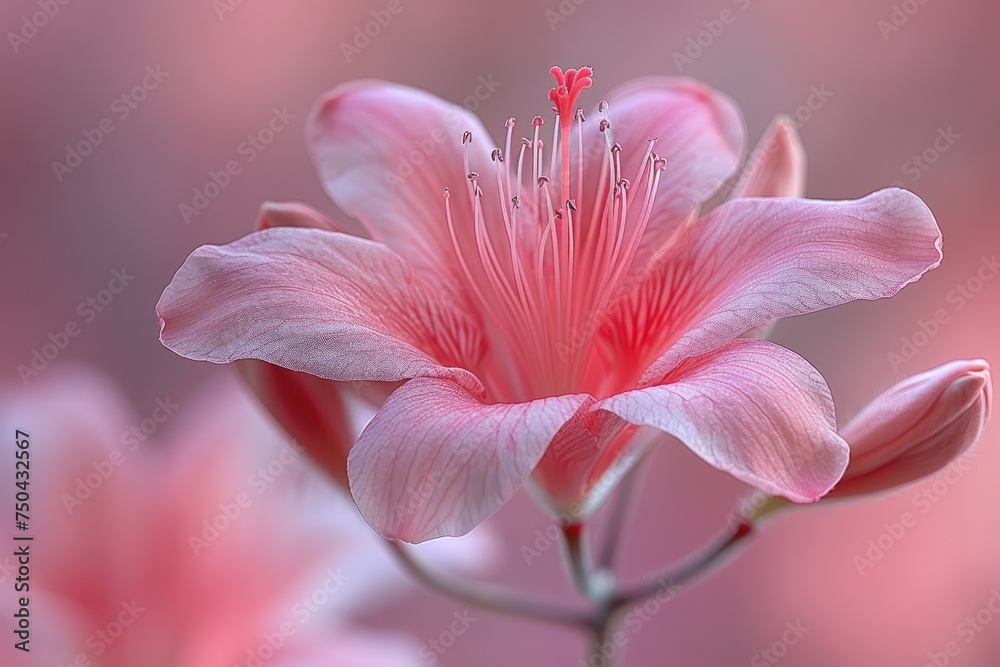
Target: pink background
{"points": [[892, 92]]}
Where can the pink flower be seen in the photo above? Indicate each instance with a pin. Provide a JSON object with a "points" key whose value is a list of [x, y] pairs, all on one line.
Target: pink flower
{"points": [[196, 549], [543, 301], [917, 427]]}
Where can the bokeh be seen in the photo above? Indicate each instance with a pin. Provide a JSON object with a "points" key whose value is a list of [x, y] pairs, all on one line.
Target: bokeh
{"points": [[163, 96]]}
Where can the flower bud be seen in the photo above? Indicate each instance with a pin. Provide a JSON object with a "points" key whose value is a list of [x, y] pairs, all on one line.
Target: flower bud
{"points": [[310, 409], [917, 427]]}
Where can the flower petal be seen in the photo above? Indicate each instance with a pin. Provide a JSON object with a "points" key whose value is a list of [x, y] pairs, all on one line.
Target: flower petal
{"points": [[752, 409], [777, 166], [699, 131], [436, 461], [332, 305], [753, 260], [294, 214], [587, 457], [386, 153]]}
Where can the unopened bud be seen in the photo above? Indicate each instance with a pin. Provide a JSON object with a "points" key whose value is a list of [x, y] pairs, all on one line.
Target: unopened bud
{"points": [[917, 427]]}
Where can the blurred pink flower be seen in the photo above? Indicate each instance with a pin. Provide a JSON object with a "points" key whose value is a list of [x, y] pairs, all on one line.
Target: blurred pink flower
{"points": [[543, 309], [203, 550], [917, 427]]}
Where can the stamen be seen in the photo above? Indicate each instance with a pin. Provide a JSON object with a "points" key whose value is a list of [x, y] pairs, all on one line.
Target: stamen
{"points": [[506, 148], [538, 301]]}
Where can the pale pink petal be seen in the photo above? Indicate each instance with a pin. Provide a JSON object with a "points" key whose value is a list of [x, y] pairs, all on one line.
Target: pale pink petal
{"points": [[777, 166], [437, 461], [698, 131], [294, 214], [386, 153], [753, 260], [752, 409], [329, 304]]}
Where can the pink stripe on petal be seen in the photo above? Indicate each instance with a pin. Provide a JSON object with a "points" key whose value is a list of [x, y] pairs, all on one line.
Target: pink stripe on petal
{"points": [[752, 409], [436, 461], [753, 260], [329, 304]]}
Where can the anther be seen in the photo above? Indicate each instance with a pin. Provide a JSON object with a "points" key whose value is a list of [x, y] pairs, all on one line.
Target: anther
{"points": [[602, 106], [579, 115], [510, 122], [616, 147], [570, 204], [605, 125], [538, 121], [542, 180], [497, 155], [467, 137]]}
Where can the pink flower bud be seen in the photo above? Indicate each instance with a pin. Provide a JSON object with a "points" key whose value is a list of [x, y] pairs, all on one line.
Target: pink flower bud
{"points": [[917, 427], [323, 416], [310, 409]]}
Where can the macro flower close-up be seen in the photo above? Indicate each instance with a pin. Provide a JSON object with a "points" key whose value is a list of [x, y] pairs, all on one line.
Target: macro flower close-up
{"points": [[580, 334], [541, 308]]}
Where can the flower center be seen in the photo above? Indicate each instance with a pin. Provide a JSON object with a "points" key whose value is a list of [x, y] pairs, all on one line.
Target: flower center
{"points": [[546, 271]]}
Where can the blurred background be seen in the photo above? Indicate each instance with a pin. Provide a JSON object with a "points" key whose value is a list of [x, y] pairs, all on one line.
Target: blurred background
{"points": [[161, 95]]}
